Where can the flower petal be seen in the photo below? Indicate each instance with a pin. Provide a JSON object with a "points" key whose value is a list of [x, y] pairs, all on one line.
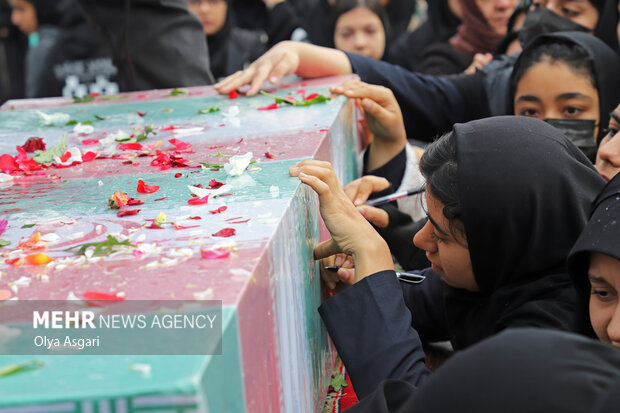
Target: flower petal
{"points": [[146, 189], [225, 232], [214, 254]]}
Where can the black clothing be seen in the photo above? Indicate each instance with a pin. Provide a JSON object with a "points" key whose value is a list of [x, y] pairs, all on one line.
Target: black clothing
{"points": [[154, 43], [13, 47], [77, 63], [605, 65], [430, 104], [520, 370], [602, 235], [512, 171], [442, 59], [439, 27], [231, 48]]}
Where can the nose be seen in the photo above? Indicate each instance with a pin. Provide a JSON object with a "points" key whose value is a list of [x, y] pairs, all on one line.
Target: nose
{"points": [[14, 18], [503, 4], [360, 40], [609, 151], [423, 239], [613, 328]]}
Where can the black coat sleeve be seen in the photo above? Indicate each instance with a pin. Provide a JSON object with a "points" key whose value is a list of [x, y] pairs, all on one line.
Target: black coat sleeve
{"points": [[371, 327], [430, 104], [391, 396]]}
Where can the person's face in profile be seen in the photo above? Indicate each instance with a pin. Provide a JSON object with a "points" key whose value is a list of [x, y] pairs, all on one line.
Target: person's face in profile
{"points": [[556, 91], [24, 16], [447, 252], [212, 14], [608, 154], [604, 276], [360, 31]]}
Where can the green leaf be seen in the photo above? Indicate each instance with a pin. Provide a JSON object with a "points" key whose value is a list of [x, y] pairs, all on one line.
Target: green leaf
{"points": [[16, 368], [85, 99], [71, 122], [210, 109], [98, 117], [47, 156], [220, 155], [278, 99], [338, 382], [101, 248], [87, 122], [27, 226], [318, 99], [178, 92], [212, 165], [137, 135], [4, 242]]}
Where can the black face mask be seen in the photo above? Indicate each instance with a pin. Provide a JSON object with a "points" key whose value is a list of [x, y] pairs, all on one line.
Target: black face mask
{"points": [[545, 21], [578, 131]]}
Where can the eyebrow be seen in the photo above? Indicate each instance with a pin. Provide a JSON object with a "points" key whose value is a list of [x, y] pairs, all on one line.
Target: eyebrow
{"points": [[528, 98], [597, 280], [436, 225], [571, 95]]}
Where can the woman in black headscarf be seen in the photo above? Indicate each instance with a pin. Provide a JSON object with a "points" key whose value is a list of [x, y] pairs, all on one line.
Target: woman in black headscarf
{"points": [[577, 100], [594, 264], [230, 48], [496, 239]]}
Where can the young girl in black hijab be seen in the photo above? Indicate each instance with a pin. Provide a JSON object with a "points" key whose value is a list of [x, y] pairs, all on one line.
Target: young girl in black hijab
{"points": [[495, 237], [552, 371]]}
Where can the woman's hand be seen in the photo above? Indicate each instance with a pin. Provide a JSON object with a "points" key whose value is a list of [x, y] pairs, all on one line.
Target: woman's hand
{"points": [[383, 114], [341, 278], [359, 190], [351, 233], [286, 58], [279, 61]]}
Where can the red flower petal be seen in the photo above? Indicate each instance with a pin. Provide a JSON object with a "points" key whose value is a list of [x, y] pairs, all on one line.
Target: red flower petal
{"points": [[88, 156], [240, 222], [98, 299], [12, 261], [268, 155], [213, 184], [146, 189], [65, 157], [177, 227], [195, 217], [219, 210], [8, 164], [87, 142], [136, 146], [171, 127], [240, 140], [198, 201], [126, 212], [178, 175], [180, 145], [233, 94], [135, 202], [270, 107], [225, 233], [312, 96], [215, 254], [141, 114], [161, 199]]}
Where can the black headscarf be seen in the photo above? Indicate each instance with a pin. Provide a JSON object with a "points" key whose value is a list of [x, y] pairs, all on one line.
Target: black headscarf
{"points": [[521, 370], [607, 25], [602, 234], [47, 12], [525, 192], [605, 64]]}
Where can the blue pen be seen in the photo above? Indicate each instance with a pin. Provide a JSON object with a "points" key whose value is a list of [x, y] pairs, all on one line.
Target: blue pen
{"points": [[382, 200]]}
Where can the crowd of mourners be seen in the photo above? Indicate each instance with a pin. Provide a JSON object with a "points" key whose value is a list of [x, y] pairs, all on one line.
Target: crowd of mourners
{"points": [[501, 117]]}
